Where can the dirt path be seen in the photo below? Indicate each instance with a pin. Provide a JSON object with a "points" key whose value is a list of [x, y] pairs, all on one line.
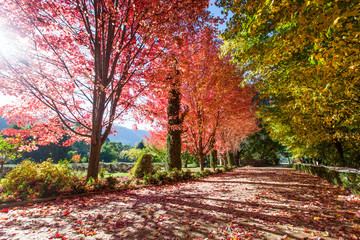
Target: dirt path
{"points": [[248, 203]]}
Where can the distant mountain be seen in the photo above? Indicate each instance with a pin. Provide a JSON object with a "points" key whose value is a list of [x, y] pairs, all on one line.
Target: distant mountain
{"points": [[124, 135], [128, 136], [3, 124]]}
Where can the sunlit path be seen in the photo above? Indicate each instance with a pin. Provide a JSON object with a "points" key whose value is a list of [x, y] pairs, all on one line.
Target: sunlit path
{"points": [[254, 203]]}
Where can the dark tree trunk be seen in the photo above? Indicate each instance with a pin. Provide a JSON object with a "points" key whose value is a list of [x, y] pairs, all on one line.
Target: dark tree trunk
{"points": [[226, 161], [95, 149], [231, 158], [2, 169], [173, 139], [96, 135], [237, 158], [340, 151], [201, 154], [213, 159], [94, 159], [201, 158]]}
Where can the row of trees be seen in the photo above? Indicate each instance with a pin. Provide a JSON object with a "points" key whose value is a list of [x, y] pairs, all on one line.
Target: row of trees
{"points": [[303, 58], [83, 64], [13, 150], [198, 105]]}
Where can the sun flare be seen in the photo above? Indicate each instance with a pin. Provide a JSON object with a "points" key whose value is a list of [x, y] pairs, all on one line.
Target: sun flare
{"points": [[11, 44], [6, 46]]}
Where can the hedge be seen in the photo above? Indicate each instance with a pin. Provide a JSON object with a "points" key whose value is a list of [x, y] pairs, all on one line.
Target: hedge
{"points": [[347, 178]]}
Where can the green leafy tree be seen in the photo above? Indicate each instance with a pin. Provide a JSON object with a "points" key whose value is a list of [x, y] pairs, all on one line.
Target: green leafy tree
{"points": [[140, 145], [261, 148], [109, 152], [82, 148], [143, 166], [303, 56], [158, 153], [56, 152]]}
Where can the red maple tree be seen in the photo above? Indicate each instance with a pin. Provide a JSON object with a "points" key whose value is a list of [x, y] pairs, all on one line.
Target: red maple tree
{"points": [[210, 96], [83, 66]]}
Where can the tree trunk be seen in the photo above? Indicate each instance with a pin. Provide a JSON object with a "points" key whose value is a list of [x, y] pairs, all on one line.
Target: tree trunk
{"points": [[237, 158], [221, 161], [213, 159], [2, 169], [231, 158], [94, 159], [201, 158], [173, 139], [201, 154], [340, 151], [173, 150], [96, 134], [225, 159]]}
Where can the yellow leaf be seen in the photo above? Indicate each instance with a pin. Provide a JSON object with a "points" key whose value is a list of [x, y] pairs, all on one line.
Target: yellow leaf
{"points": [[356, 228]]}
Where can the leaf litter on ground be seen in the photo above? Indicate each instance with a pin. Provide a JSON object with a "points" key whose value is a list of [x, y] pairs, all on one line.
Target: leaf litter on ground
{"points": [[247, 203]]}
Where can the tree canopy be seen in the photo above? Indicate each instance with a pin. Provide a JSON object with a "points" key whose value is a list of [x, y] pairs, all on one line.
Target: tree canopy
{"points": [[82, 63], [212, 102], [303, 56]]}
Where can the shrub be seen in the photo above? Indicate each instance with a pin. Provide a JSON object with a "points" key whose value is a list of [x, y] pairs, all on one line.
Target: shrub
{"points": [[219, 170], [207, 172], [176, 175], [111, 182], [78, 185], [187, 175], [96, 184], [158, 166], [54, 177], [20, 177], [30, 179], [126, 184], [162, 177], [137, 182], [198, 175], [142, 166], [226, 168]]}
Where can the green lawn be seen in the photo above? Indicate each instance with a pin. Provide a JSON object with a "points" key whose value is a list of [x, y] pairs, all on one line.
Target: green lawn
{"points": [[118, 174], [198, 168]]}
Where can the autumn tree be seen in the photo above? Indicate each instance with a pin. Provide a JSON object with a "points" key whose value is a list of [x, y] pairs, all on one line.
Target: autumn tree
{"points": [[167, 90], [210, 96], [240, 123], [218, 110], [82, 63], [303, 57]]}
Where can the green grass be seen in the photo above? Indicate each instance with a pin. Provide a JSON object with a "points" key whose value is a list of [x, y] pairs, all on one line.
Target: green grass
{"points": [[118, 174], [198, 168]]}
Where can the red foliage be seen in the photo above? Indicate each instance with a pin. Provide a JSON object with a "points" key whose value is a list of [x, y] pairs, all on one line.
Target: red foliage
{"points": [[5, 210], [217, 112], [82, 63]]}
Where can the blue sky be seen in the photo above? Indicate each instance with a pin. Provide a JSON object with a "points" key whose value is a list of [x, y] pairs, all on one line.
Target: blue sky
{"points": [[216, 11]]}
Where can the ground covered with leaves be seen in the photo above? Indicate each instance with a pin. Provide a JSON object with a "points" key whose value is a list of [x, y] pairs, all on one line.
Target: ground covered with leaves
{"points": [[247, 203]]}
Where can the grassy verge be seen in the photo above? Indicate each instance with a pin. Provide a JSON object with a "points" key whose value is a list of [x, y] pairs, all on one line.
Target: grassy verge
{"points": [[198, 168], [118, 174]]}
